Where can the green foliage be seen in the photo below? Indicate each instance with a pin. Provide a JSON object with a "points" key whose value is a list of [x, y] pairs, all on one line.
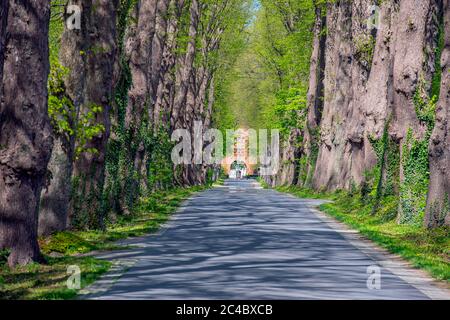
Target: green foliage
{"points": [[289, 112], [424, 105], [67, 243], [66, 120], [439, 210], [65, 117], [79, 219], [392, 155], [364, 49], [160, 168], [60, 108], [436, 81], [270, 75], [414, 187], [56, 29], [234, 42], [415, 160], [311, 160], [88, 128], [383, 180]]}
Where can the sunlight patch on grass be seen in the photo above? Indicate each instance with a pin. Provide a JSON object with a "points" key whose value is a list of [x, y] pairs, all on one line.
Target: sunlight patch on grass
{"points": [[63, 249], [48, 281], [152, 212]]}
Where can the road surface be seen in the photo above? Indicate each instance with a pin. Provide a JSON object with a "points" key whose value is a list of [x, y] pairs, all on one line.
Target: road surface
{"points": [[239, 241]]}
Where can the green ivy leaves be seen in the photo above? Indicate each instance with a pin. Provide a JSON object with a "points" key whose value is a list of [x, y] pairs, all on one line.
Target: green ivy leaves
{"points": [[67, 121]]}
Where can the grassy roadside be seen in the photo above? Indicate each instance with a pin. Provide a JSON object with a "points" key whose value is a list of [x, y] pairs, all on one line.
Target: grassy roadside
{"points": [[425, 249], [48, 281]]}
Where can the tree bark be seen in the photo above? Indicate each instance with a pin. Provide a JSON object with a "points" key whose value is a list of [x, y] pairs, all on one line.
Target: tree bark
{"points": [[3, 21], [140, 63], [25, 132], [56, 213], [331, 171], [165, 89], [315, 94], [158, 46], [55, 196], [409, 66], [140, 97], [95, 62], [186, 67], [211, 97], [99, 82], [438, 202]]}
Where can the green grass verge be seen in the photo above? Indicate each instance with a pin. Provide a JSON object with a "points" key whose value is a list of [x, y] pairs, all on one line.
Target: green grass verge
{"points": [[61, 250], [48, 281], [149, 215], [425, 249]]}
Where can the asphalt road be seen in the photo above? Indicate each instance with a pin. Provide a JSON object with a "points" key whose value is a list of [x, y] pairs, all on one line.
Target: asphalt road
{"points": [[239, 241]]}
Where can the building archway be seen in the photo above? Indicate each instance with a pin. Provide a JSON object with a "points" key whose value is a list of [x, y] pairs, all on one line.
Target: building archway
{"points": [[240, 156], [238, 170]]}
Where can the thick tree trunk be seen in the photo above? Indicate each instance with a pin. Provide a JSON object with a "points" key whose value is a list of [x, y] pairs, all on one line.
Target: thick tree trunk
{"points": [[186, 121], [165, 90], [331, 171], [99, 81], [438, 202], [139, 49], [414, 52], [408, 66], [183, 99], [73, 46], [315, 95], [95, 64], [186, 67], [208, 113], [55, 197], [140, 63], [25, 133], [378, 99], [158, 46], [203, 79]]}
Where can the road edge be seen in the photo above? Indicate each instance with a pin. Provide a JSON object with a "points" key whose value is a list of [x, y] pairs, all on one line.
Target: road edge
{"points": [[397, 265]]}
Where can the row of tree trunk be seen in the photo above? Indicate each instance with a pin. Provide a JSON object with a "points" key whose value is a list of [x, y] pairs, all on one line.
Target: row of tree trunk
{"points": [[164, 47], [355, 98]]}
